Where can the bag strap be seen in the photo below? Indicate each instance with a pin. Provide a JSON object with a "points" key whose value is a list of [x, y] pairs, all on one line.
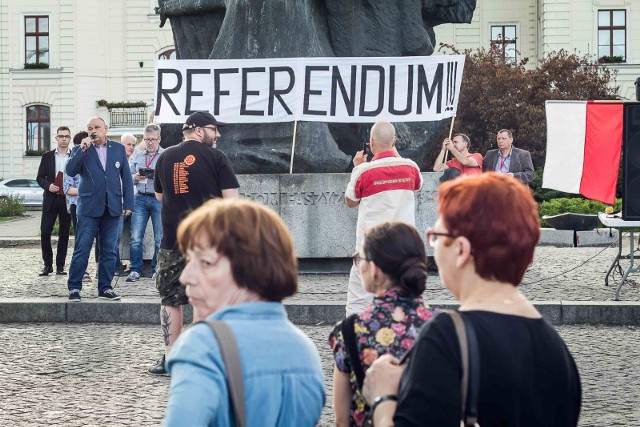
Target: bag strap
{"points": [[231, 359], [469, 353], [350, 345]]}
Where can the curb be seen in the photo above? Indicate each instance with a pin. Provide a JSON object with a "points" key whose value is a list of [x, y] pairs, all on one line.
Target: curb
{"points": [[141, 311], [13, 242]]}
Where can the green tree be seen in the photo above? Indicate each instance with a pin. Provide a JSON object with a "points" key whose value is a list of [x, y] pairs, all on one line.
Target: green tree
{"points": [[498, 94]]}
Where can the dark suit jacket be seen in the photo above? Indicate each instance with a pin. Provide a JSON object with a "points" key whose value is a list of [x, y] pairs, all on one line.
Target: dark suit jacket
{"points": [[46, 177], [521, 165], [98, 186]]}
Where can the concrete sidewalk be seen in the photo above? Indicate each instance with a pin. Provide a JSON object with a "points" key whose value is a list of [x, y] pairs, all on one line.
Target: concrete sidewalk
{"points": [[566, 282], [25, 231]]}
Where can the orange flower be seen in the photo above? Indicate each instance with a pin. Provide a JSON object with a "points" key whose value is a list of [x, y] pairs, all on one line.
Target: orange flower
{"points": [[369, 355]]}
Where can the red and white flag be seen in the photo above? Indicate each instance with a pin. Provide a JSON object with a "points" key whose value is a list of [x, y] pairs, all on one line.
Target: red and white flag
{"points": [[584, 141]]}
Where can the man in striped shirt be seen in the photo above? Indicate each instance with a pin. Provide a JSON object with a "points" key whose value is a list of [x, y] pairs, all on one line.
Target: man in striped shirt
{"points": [[384, 189]]}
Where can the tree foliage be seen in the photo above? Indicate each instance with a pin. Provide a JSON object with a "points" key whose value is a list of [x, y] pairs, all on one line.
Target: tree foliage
{"points": [[498, 94]]}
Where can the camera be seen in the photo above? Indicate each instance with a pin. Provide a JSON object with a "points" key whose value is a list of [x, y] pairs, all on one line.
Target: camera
{"points": [[146, 172]]}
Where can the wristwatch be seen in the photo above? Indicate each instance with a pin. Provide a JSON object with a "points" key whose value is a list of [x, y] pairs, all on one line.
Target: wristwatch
{"points": [[379, 399]]}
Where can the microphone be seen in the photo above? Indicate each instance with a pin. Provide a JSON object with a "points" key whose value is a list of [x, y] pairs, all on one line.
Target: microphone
{"points": [[86, 143]]}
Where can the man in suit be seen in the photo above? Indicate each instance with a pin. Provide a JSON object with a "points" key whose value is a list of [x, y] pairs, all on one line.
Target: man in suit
{"points": [[54, 204], [105, 192], [508, 159]]}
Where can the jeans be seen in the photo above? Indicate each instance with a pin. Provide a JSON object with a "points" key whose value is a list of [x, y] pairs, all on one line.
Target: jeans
{"points": [[104, 226], [143, 208], [74, 221]]}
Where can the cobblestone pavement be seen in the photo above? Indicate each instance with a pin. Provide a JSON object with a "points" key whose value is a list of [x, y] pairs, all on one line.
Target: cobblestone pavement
{"points": [[543, 281], [94, 375]]}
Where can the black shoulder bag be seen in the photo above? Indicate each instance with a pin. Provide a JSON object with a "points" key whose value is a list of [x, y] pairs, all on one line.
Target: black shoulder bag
{"points": [[470, 354]]}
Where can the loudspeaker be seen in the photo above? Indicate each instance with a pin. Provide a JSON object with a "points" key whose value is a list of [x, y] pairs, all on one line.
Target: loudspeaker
{"points": [[631, 162]]}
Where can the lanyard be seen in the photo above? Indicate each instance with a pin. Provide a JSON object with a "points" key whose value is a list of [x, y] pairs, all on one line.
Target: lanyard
{"points": [[501, 162], [150, 161]]}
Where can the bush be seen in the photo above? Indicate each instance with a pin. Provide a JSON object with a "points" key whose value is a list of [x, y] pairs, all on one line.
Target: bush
{"points": [[12, 206], [578, 205], [497, 93], [544, 194]]}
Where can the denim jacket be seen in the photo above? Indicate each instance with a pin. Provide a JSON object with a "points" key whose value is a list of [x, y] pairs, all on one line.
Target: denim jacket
{"points": [[281, 370]]}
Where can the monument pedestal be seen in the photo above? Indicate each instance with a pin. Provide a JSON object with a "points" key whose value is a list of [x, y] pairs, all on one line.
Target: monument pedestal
{"points": [[313, 208]]}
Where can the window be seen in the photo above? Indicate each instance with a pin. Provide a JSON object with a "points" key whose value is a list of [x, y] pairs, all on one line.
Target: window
{"points": [[612, 35], [36, 39], [504, 37], [38, 128], [169, 53]]}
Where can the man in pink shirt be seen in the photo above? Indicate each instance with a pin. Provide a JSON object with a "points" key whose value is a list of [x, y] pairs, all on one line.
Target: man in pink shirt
{"points": [[467, 163]]}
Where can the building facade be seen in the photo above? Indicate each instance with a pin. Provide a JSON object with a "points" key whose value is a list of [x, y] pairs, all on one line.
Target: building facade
{"points": [[58, 59], [606, 30]]}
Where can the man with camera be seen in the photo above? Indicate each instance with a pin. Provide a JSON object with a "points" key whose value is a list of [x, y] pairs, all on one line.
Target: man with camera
{"points": [[143, 165]]}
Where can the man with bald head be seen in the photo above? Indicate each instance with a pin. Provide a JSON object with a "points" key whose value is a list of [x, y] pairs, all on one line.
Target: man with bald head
{"points": [[384, 189], [105, 192]]}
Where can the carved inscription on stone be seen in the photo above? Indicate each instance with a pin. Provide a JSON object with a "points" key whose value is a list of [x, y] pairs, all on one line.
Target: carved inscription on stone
{"points": [[296, 198]]}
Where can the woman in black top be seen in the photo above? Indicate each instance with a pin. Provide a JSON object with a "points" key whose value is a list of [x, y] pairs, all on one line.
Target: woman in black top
{"points": [[483, 241]]}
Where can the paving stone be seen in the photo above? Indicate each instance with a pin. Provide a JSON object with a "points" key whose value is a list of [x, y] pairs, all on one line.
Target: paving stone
{"points": [[556, 274], [95, 375]]}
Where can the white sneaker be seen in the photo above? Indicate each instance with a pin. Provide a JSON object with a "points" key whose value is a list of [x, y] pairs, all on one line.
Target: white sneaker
{"points": [[133, 276], [86, 278]]}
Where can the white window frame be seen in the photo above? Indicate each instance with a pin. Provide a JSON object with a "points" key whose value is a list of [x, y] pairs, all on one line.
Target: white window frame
{"points": [[506, 24]]}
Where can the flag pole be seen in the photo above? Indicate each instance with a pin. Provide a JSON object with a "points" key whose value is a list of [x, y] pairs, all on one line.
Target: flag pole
{"points": [[293, 146], [446, 154]]}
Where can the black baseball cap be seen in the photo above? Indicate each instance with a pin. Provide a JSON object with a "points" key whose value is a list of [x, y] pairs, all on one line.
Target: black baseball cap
{"points": [[201, 119]]}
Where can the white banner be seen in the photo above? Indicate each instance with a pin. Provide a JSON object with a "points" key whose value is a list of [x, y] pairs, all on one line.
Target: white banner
{"points": [[347, 90]]}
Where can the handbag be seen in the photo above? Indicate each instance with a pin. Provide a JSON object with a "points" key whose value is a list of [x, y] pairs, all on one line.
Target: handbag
{"points": [[351, 348], [470, 355], [231, 359]]}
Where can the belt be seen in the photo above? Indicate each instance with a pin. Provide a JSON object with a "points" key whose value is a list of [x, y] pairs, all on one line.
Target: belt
{"points": [[147, 194]]}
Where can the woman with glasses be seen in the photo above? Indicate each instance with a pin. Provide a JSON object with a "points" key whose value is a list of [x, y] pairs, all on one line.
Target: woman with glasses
{"points": [[483, 242], [393, 266]]}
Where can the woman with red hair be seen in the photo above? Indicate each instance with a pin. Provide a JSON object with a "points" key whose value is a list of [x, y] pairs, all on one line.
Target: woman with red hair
{"points": [[483, 241]]}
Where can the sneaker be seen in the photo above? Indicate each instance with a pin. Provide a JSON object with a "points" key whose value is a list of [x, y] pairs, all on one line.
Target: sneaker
{"points": [[86, 278], [74, 295], [109, 294], [133, 276], [159, 368]]}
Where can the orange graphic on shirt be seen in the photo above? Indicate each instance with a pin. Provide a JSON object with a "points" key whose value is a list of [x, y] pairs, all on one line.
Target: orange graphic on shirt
{"points": [[189, 160], [180, 178]]}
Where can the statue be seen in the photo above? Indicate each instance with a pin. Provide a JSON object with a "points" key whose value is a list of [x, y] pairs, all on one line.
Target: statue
{"points": [[235, 29]]}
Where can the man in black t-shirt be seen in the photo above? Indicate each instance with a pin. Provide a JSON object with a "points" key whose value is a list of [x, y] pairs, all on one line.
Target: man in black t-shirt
{"points": [[187, 175]]}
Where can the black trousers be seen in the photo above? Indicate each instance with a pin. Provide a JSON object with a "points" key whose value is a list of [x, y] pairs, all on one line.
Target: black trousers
{"points": [[58, 210]]}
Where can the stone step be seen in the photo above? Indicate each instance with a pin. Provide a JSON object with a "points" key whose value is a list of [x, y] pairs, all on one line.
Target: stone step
{"points": [[146, 311]]}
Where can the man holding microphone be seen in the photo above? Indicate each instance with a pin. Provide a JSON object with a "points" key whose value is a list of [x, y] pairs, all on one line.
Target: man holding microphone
{"points": [[105, 192]]}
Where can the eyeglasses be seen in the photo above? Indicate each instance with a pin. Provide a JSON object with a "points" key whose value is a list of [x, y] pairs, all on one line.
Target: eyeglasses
{"points": [[151, 139], [432, 236], [357, 258], [213, 128], [63, 136]]}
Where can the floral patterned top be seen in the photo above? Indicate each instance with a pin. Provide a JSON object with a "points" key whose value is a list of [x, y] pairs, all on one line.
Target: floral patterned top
{"points": [[391, 325]]}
